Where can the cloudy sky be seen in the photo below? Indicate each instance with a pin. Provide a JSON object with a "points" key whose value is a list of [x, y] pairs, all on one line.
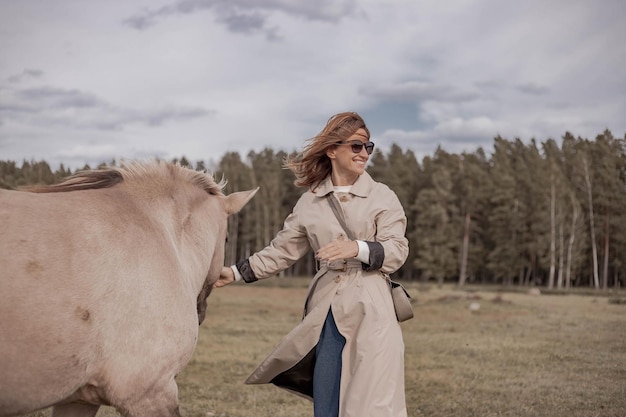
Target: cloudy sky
{"points": [[86, 81]]}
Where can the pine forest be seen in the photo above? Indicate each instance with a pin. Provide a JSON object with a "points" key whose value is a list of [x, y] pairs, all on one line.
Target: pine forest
{"points": [[549, 215]]}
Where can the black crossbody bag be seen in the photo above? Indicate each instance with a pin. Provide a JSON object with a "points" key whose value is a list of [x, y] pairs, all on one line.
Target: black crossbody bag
{"points": [[399, 294]]}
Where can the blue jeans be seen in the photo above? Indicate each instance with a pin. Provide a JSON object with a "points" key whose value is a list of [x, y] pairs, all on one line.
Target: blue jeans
{"points": [[327, 371]]}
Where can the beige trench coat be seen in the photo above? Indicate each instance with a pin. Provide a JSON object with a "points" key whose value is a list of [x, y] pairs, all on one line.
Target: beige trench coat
{"points": [[372, 376]]}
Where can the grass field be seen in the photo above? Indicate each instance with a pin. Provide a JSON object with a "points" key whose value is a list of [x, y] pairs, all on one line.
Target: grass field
{"points": [[517, 355]]}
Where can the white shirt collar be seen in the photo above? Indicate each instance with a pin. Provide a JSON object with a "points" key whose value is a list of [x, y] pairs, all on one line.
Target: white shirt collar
{"points": [[342, 188]]}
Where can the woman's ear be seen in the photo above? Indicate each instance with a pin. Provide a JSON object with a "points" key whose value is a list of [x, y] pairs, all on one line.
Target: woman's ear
{"points": [[330, 152]]}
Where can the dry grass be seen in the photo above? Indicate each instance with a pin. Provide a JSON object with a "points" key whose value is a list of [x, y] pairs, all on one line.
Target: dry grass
{"points": [[517, 355]]}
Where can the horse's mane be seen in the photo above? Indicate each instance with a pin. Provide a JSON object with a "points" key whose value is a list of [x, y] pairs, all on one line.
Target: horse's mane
{"points": [[153, 172]]}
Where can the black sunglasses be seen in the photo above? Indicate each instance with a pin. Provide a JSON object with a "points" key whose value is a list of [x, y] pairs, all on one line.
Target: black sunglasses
{"points": [[357, 146]]}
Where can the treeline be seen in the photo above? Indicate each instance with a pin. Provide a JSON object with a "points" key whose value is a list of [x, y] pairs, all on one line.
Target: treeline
{"points": [[549, 214]]}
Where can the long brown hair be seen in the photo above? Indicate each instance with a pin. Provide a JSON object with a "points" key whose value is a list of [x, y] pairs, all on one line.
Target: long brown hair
{"points": [[312, 165]]}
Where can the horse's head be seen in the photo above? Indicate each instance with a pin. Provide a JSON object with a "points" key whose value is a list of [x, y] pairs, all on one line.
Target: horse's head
{"points": [[231, 204]]}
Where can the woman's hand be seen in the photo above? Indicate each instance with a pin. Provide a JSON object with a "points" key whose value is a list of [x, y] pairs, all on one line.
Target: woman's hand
{"points": [[337, 249], [226, 277]]}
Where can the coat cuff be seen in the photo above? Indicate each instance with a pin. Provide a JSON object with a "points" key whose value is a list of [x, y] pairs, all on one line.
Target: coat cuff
{"points": [[246, 271], [377, 256]]}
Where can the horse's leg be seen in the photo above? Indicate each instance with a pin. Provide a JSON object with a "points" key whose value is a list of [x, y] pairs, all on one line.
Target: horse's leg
{"points": [[75, 410], [159, 402]]}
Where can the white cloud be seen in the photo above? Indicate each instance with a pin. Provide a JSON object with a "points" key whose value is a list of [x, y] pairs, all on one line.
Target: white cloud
{"points": [[461, 128], [208, 76]]}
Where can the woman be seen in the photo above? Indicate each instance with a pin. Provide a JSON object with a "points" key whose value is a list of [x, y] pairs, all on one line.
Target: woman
{"points": [[347, 354]]}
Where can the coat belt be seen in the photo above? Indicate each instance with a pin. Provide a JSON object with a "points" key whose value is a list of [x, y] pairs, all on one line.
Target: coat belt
{"points": [[340, 265]]}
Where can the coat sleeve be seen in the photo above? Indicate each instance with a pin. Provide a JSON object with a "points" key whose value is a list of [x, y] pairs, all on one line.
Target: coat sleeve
{"points": [[289, 245], [391, 248]]}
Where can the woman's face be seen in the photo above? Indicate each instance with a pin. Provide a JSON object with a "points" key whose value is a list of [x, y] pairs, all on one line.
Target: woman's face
{"points": [[346, 164]]}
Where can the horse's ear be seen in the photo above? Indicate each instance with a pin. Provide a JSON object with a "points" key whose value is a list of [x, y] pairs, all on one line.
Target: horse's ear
{"points": [[235, 201]]}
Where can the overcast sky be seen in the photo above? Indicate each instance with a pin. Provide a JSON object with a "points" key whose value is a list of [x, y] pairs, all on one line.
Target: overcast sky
{"points": [[86, 81]]}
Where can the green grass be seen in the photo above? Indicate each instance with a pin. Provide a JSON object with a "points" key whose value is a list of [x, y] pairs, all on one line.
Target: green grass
{"points": [[517, 355]]}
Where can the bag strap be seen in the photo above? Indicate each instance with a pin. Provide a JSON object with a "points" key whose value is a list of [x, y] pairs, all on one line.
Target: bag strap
{"points": [[339, 214], [334, 205]]}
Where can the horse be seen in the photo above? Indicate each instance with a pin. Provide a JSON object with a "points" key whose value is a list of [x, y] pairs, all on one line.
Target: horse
{"points": [[104, 280]]}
